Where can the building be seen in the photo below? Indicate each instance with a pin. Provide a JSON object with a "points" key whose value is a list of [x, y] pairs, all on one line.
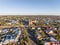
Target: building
{"points": [[50, 31], [10, 22], [12, 36], [32, 21], [51, 43], [38, 36]]}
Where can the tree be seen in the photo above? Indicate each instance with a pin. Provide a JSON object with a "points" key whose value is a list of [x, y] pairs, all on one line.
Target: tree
{"points": [[40, 42]]}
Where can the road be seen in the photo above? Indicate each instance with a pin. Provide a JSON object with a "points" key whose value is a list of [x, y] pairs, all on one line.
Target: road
{"points": [[32, 38]]}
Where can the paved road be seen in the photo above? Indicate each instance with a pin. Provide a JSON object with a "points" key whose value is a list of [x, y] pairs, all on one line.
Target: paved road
{"points": [[33, 40]]}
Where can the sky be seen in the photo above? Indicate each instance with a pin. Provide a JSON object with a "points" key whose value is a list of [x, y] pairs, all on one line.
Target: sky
{"points": [[30, 7]]}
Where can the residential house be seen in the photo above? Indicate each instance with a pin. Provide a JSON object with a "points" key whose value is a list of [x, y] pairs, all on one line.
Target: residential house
{"points": [[39, 30], [9, 22], [53, 39], [33, 27], [48, 31], [0, 31], [51, 32], [38, 35]]}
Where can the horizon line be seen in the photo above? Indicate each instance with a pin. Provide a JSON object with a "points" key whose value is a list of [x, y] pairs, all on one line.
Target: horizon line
{"points": [[29, 15]]}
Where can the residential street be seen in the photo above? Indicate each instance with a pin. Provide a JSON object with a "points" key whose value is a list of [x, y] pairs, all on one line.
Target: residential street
{"points": [[32, 38]]}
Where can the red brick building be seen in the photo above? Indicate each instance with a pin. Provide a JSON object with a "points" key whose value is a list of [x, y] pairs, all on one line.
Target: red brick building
{"points": [[51, 43]]}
